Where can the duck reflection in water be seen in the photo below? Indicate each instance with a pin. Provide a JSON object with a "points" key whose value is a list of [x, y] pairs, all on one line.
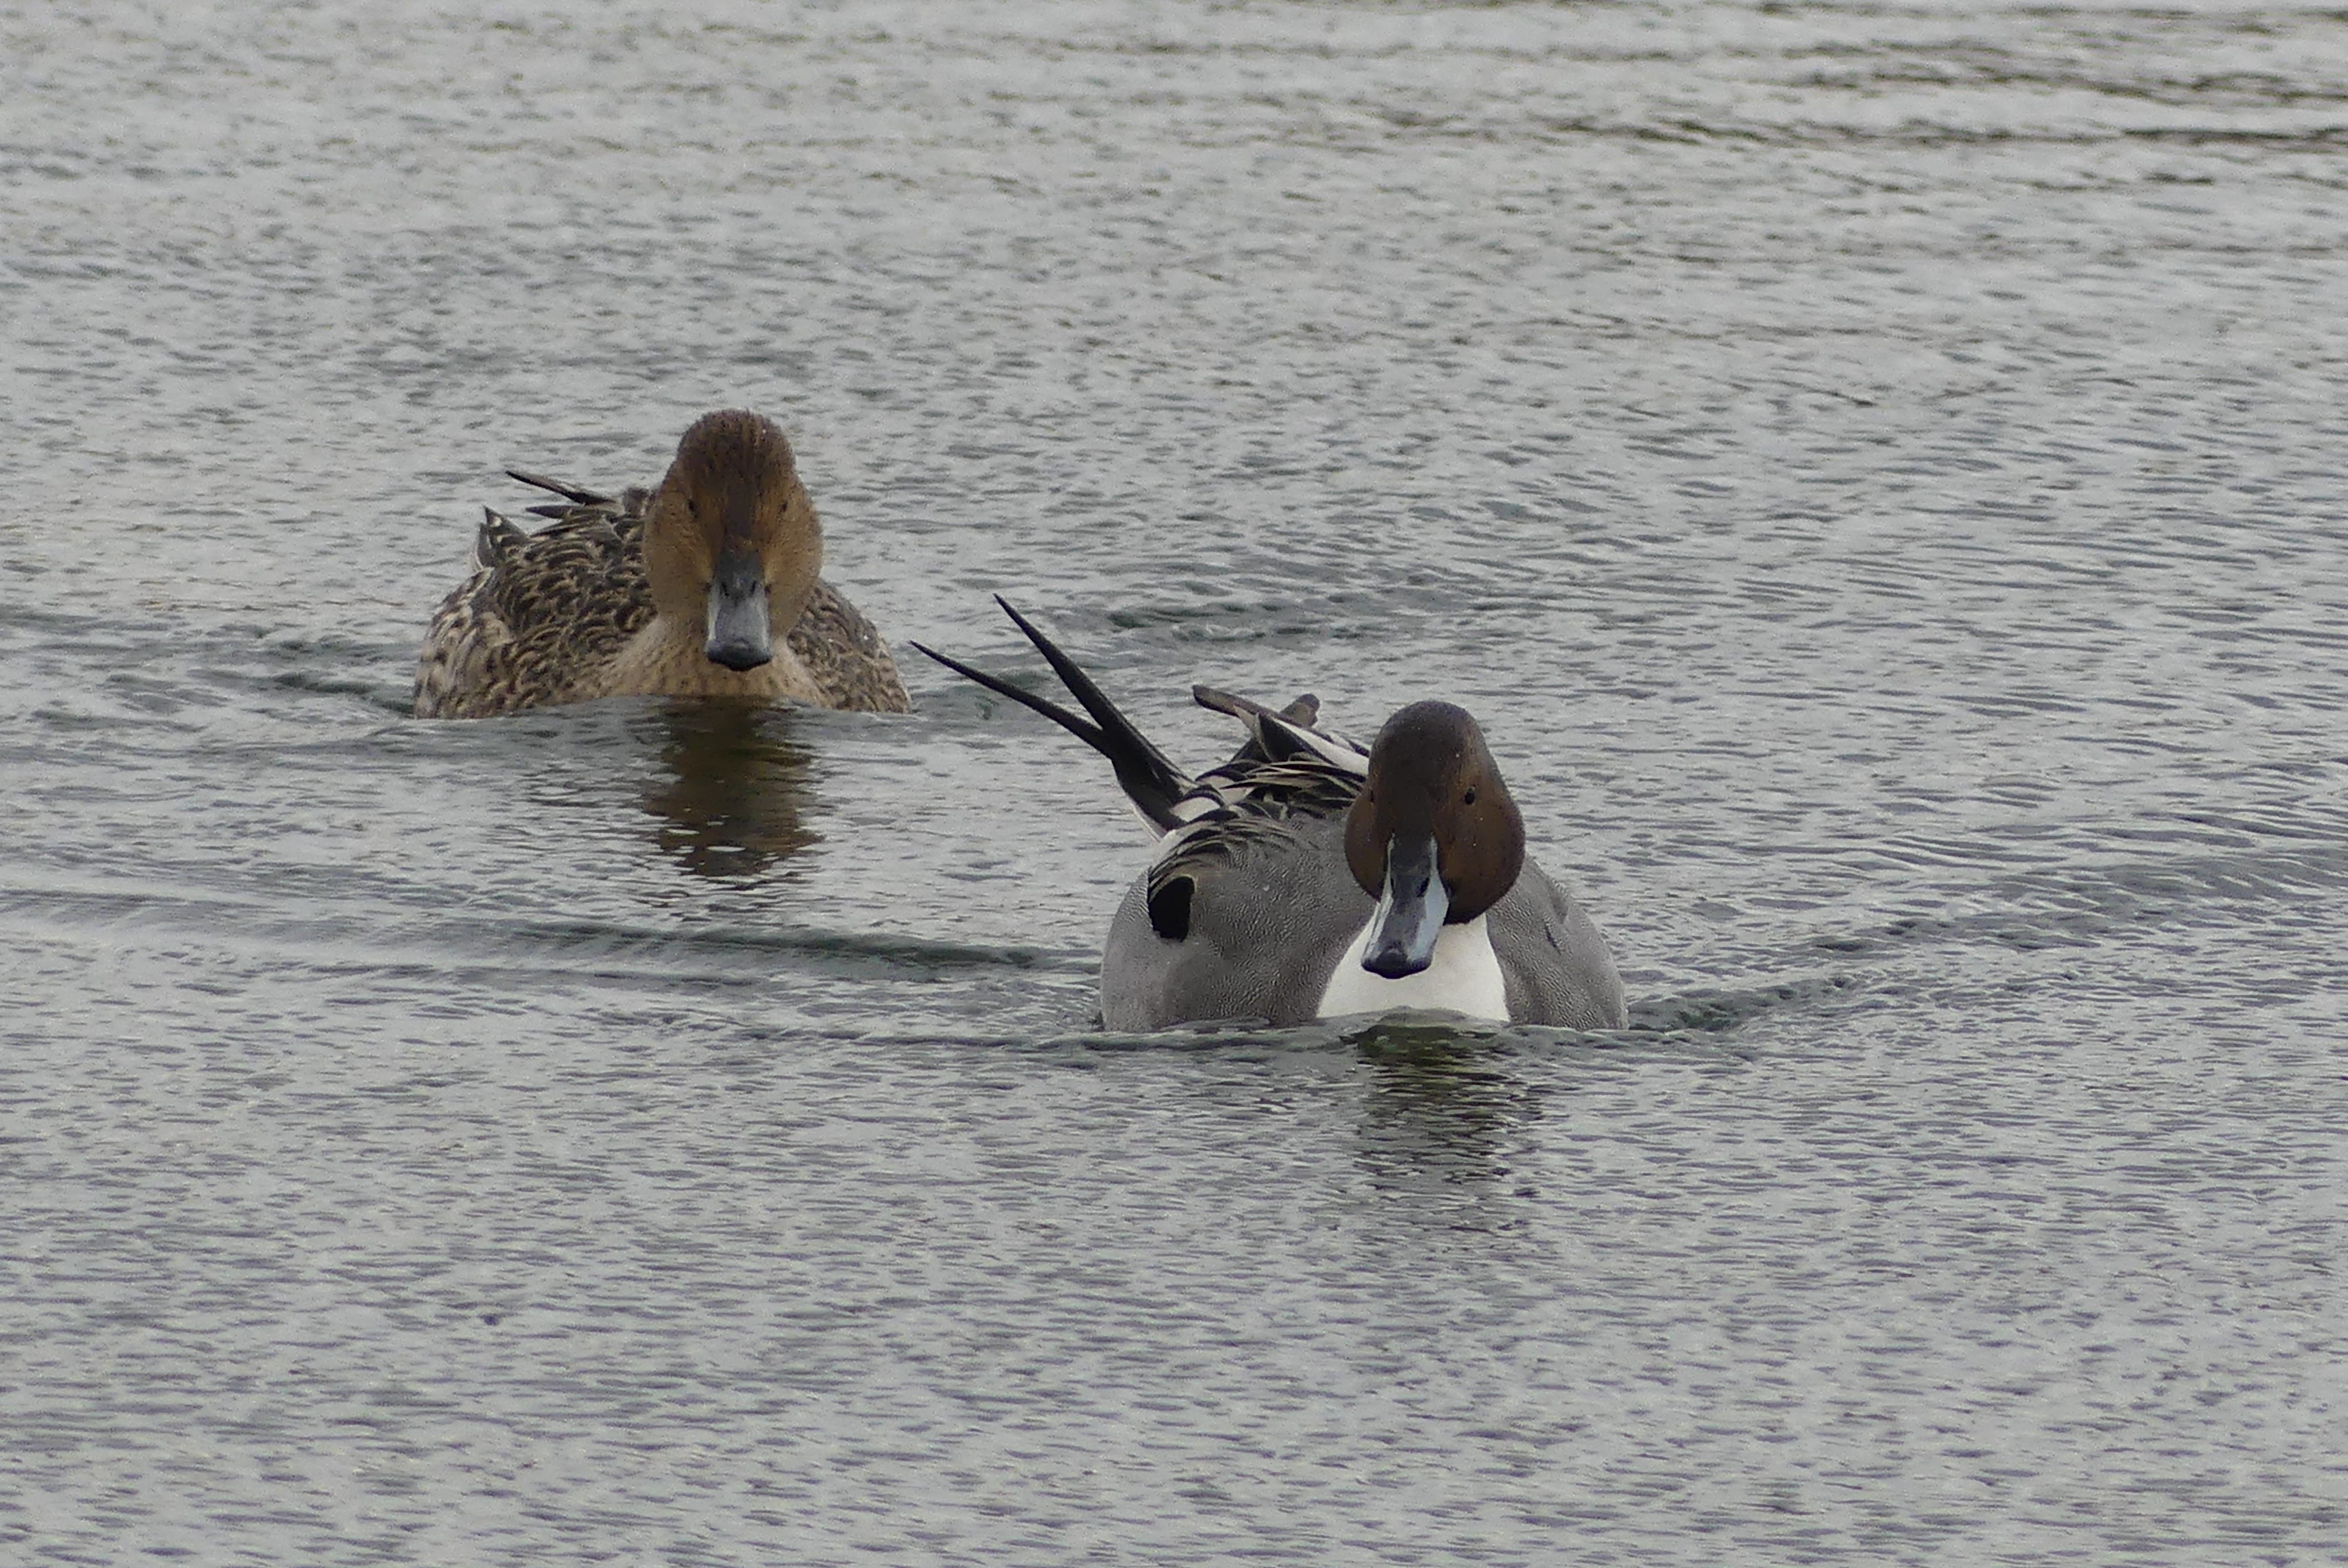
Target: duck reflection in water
{"points": [[1444, 1112], [730, 787]]}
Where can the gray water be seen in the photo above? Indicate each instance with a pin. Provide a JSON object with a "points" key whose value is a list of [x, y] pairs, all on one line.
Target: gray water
{"points": [[1876, 473]]}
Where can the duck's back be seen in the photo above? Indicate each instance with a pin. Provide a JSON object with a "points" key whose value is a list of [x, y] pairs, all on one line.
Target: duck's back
{"points": [[540, 617], [1268, 924]]}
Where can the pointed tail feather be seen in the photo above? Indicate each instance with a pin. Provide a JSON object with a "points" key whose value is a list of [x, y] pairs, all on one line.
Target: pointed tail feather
{"points": [[569, 492], [1087, 732], [1148, 780]]}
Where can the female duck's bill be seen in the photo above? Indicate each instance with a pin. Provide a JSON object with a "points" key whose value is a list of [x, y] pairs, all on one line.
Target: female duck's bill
{"points": [[709, 585], [1307, 878], [740, 629]]}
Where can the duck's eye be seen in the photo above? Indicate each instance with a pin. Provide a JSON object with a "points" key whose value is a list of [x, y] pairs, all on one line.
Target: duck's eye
{"points": [[1469, 799]]}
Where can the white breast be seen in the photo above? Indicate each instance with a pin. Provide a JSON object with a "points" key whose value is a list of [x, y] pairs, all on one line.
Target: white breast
{"points": [[1465, 978]]}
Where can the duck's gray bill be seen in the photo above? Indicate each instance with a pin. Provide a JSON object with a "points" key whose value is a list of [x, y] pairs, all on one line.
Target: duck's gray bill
{"points": [[1410, 916], [738, 636]]}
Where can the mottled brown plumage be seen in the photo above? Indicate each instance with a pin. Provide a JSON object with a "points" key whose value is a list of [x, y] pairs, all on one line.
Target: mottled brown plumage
{"points": [[615, 597]]}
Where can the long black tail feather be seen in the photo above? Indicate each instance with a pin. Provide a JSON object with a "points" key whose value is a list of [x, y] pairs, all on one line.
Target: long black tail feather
{"points": [[1148, 780], [569, 492]]}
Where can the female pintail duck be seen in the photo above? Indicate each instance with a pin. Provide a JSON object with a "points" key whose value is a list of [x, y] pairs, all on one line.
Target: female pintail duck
{"points": [[705, 587], [1308, 878]]}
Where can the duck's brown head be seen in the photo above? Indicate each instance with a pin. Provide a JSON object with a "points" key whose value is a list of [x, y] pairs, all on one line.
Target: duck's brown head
{"points": [[1433, 836], [732, 543]]}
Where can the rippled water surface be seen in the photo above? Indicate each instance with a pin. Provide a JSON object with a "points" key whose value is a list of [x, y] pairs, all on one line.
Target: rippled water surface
{"points": [[1876, 472]]}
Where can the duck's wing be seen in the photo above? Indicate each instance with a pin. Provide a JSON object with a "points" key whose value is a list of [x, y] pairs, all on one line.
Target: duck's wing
{"points": [[850, 663], [1271, 798], [1250, 932], [539, 611], [578, 581], [1553, 962]]}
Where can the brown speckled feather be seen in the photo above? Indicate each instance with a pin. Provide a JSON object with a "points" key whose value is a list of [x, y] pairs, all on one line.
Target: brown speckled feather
{"points": [[544, 614], [846, 656]]}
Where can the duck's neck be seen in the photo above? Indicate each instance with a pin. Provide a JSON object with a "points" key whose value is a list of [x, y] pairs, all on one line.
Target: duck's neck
{"points": [[665, 658], [1463, 978]]}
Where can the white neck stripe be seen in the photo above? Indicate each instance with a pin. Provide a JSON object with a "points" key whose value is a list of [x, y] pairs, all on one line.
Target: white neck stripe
{"points": [[1464, 977]]}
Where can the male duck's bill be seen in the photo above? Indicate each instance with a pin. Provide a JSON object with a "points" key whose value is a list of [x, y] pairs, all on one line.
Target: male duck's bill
{"points": [[1306, 878], [707, 586]]}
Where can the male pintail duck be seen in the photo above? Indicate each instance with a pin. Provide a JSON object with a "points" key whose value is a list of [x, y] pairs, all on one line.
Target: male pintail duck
{"points": [[1308, 878], [705, 587]]}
